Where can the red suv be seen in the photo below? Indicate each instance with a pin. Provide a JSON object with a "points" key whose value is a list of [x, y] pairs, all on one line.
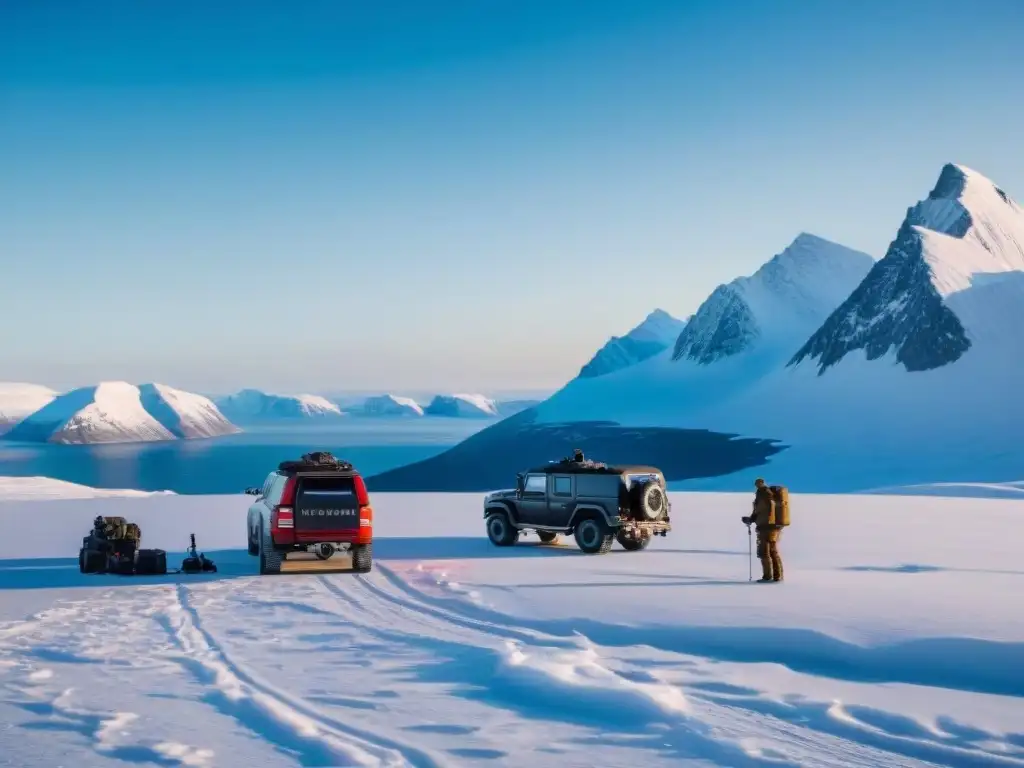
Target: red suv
{"points": [[318, 504]]}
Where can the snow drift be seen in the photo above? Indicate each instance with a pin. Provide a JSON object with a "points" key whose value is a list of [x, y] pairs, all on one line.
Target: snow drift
{"points": [[118, 412], [252, 405]]}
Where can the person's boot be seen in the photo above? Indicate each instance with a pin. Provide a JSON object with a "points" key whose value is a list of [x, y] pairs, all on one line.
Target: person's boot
{"points": [[777, 568], [766, 571]]}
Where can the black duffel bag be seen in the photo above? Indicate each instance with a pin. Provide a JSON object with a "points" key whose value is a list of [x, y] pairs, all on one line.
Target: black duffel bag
{"points": [[151, 562]]}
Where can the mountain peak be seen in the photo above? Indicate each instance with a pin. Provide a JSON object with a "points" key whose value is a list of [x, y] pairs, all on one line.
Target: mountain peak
{"points": [[785, 299], [955, 181], [656, 333], [951, 277]]}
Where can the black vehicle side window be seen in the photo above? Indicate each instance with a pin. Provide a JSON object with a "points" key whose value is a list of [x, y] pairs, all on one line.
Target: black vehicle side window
{"points": [[536, 484], [563, 486]]}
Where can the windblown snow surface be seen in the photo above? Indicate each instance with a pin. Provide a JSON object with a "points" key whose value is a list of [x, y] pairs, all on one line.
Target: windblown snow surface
{"points": [[892, 642], [250, 405], [18, 400]]}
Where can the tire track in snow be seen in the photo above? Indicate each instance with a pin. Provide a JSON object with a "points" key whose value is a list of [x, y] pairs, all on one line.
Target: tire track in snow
{"points": [[825, 717], [292, 723], [553, 672]]}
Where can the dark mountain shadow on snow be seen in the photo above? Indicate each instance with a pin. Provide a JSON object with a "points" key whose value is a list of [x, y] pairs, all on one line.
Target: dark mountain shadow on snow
{"points": [[490, 458], [155, 405], [41, 425]]}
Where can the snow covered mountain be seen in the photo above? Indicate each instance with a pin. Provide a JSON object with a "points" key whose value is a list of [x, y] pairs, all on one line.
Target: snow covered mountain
{"points": [[118, 412], [775, 306], [916, 377], [952, 278], [462, 406], [252, 405], [390, 405], [742, 331], [18, 400], [656, 333]]}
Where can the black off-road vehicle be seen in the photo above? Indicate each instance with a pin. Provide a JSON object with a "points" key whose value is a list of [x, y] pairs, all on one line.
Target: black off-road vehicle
{"points": [[596, 503]]}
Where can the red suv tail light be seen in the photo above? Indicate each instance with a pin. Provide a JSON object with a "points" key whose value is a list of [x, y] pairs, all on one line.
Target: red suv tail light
{"points": [[282, 517], [365, 510]]}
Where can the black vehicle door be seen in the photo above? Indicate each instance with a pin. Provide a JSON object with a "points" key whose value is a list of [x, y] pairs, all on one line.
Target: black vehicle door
{"points": [[560, 500], [533, 500]]}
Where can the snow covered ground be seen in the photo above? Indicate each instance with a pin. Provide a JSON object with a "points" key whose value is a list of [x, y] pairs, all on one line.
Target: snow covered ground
{"points": [[35, 488], [893, 642]]}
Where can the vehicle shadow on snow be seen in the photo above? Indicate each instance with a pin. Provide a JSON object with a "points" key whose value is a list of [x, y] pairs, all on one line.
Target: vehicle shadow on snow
{"points": [[62, 572], [480, 547], [920, 568]]}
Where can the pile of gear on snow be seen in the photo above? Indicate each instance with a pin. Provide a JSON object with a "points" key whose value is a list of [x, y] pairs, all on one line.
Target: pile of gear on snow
{"points": [[579, 460], [112, 546], [322, 460]]}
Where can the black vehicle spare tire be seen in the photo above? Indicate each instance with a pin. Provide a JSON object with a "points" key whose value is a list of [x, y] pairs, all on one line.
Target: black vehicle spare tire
{"points": [[649, 501]]}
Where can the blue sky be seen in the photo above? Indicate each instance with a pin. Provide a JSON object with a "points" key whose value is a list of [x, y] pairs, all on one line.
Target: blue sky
{"points": [[478, 193]]}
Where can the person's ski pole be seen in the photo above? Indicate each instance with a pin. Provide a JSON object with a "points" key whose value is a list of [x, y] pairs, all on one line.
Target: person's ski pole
{"points": [[750, 556]]}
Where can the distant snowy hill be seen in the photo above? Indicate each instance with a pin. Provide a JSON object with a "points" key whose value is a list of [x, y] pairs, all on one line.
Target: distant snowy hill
{"points": [[251, 405], [117, 412], [19, 400], [185, 414], [390, 405], [462, 406], [510, 407], [656, 333]]}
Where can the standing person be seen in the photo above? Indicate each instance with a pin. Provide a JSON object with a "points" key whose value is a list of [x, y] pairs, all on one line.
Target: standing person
{"points": [[768, 533]]}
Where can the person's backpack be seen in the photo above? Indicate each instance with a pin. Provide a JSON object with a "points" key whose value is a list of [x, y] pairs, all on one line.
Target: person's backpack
{"points": [[780, 495]]}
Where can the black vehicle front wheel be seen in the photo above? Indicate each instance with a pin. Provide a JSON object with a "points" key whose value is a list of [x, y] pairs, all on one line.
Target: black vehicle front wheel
{"points": [[500, 530], [593, 536]]}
